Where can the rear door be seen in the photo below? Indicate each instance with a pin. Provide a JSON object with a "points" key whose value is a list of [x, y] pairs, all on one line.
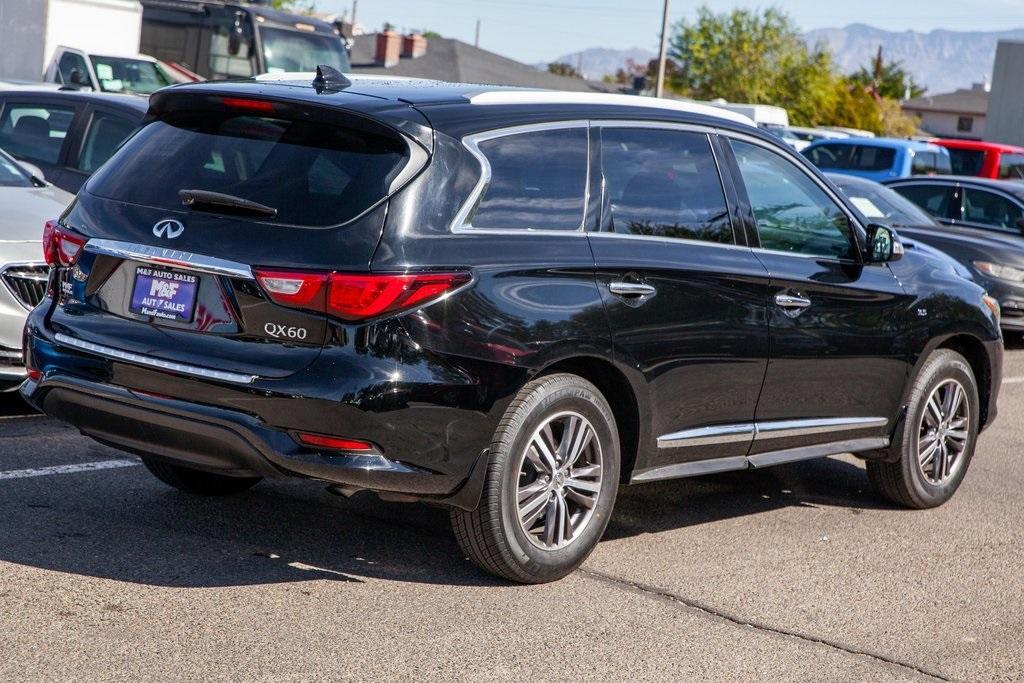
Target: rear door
{"points": [[837, 367], [175, 282], [37, 129], [685, 296]]}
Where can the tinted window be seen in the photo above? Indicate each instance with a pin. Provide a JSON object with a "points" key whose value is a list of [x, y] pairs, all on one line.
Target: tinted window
{"points": [[35, 131], [106, 133], [868, 158], [117, 74], [993, 210], [793, 213], [842, 157], [11, 174], [932, 198], [538, 181], [1011, 166], [966, 161], [830, 156], [72, 69], [664, 183], [930, 163], [312, 173]]}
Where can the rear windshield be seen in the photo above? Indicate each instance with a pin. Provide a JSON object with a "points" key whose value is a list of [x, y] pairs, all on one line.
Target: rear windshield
{"points": [[966, 161], [314, 174]]}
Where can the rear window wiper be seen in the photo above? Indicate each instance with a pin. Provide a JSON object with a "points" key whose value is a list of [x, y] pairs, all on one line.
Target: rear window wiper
{"points": [[216, 202]]}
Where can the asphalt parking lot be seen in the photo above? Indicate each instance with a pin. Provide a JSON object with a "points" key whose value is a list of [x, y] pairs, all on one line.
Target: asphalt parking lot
{"points": [[794, 573]]}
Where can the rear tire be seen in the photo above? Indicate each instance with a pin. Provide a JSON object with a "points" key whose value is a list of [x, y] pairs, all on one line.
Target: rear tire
{"points": [[551, 482], [198, 482], [936, 441]]}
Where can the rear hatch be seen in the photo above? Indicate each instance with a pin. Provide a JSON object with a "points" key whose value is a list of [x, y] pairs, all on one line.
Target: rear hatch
{"points": [[213, 189]]}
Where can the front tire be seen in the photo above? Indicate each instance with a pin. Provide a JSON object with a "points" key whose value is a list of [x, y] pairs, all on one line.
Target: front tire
{"points": [[936, 442], [550, 486], [198, 482]]}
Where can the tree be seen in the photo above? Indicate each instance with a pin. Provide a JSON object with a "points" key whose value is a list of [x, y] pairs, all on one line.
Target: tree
{"points": [[888, 79], [755, 57], [562, 69], [298, 6]]}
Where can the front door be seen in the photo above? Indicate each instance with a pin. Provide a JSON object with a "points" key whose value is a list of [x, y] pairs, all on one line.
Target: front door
{"points": [[685, 297], [838, 364]]}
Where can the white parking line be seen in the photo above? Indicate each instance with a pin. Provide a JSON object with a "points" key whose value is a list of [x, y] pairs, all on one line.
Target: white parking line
{"points": [[67, 469], [1013, 380]]}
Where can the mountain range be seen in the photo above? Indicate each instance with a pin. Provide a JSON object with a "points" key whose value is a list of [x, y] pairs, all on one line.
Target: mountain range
{"points": [[941, 60]]}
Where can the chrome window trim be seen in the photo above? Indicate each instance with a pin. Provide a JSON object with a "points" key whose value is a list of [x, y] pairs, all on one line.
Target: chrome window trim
{"points": [[21, 264], [171, 258], [797, 159], [462, 222], [762, 431], [669, 240], [148, 361]]}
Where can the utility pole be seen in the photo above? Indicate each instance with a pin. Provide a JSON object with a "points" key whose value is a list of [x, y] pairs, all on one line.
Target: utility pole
{"points": [[476, 43], [659, 90], [355, 5]]}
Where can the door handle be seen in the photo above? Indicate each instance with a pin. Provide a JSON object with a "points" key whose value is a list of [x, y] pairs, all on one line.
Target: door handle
{"points": [[790, 301], [630, 288]]}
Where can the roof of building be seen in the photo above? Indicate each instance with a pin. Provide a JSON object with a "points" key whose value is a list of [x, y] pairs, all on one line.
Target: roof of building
{"points": [[447, 59], [973, 101]]}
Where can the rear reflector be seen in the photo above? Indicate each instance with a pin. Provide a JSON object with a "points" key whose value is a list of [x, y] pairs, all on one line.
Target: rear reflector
{"points": [[334, 443], [60, 246], [353, 297]]}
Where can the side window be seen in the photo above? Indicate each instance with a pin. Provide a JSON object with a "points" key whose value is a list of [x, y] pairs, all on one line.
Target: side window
{"points": [[932, 198], [830, 156], [223, 64], [869, 158], [35, 131], [106, 133], [793, 213], [992, 210], [538, 180], [664, 183], [930, 163], [1011, 166], [73, 70]]}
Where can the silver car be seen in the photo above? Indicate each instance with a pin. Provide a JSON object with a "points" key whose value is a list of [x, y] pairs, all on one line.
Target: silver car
{"points": [[26, 202]]}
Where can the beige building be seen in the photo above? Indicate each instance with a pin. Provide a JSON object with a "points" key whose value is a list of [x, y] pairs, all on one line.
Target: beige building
{"points": [[959, 114]]}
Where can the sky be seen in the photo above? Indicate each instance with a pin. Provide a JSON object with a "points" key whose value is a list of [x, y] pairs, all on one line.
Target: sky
{"points": [[542, 30]]}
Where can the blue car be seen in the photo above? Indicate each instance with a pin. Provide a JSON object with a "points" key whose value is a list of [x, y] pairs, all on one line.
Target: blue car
{"points": [[879, 159]]}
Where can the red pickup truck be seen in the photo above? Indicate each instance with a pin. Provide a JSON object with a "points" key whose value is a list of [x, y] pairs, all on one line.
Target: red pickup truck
{"points": [[985, 159]]}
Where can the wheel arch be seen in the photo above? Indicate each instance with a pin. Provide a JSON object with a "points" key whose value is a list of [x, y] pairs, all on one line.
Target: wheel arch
{"points": [[622, 398], [973, 350]]}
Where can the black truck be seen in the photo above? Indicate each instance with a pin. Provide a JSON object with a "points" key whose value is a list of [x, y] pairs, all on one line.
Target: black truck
{"points": [[220, 40]]}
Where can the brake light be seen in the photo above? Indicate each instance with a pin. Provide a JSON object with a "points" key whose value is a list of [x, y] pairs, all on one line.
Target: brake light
{"points": [[334, 443], [354, 297], [248, 105], [61, 247]]}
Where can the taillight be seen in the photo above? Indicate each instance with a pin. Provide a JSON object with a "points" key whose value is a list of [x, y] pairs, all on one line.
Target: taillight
{"points": [[354, 297], [61, 247]]}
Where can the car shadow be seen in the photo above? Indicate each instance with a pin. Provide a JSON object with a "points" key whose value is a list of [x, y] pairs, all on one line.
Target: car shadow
{"points": [[122, 525]]}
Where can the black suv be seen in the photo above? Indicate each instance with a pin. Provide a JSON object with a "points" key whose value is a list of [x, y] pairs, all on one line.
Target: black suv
{"points": [[505, 302]]}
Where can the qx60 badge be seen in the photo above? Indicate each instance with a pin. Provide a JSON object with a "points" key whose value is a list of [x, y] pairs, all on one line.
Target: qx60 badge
{"points": [[169, 228]]}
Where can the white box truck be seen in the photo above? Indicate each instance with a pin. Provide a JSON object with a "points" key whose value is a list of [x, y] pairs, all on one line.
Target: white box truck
{"points": [[32, 30]]}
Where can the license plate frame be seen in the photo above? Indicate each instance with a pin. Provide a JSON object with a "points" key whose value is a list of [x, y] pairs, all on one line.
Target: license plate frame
{"points": [[164, 294]]}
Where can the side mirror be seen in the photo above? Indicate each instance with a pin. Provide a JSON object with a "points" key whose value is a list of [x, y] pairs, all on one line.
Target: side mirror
{"points": [[883, 244], [1020, 224], [34, 171]]}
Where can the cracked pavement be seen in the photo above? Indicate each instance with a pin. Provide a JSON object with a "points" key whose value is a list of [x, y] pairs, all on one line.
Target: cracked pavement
{"points": [[798, 572]]}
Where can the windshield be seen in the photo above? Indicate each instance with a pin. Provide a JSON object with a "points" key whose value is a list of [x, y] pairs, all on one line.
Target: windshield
{"points": [[884, 205], [124, 74], [11, 174], [285, 50]]}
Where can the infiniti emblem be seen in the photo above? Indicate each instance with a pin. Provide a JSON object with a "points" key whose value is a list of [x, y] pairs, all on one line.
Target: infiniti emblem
{"points": [[169, 228]]}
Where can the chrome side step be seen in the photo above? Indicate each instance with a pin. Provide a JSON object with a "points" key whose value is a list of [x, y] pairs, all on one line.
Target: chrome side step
{"points": [[757, 461]]}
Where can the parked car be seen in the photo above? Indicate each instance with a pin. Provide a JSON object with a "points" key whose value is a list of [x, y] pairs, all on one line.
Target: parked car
{"points": [[132, 73], [27, 203], [879, 158], [815, 134], [995, 206], [66, 134], [985, 159], [995, 261], [505, 302]]}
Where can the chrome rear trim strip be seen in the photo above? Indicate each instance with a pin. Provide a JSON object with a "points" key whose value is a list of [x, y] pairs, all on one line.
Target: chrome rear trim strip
{"points": [[169, 257], [762, 431], [137, 359]]}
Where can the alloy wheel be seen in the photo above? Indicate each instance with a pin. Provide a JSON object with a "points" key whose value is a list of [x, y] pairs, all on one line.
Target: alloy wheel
{"points": [[559, 480], [944, 432]]}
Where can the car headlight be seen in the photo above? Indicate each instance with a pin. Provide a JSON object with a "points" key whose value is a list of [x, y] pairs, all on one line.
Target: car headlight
{"points": [[1001, 272]]}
